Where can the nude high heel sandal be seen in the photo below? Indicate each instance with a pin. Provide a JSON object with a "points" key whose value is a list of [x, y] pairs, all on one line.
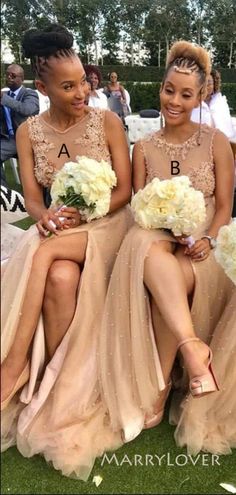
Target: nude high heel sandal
{"points": [[21, 381], [156, 418], [206, 383]]}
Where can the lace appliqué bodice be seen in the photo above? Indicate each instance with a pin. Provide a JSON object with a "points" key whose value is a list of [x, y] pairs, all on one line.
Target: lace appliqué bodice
{"points": [[173, 150], [93, 140], [44, 169], [46, 141], [196, 158]]}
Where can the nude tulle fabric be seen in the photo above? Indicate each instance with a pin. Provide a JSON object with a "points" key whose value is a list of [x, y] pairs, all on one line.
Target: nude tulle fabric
{"points": [[130, 368], [58, 413], [104, 378]]}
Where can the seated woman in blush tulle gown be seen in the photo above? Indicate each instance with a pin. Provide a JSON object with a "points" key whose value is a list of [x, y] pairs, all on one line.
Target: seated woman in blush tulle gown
{"points": [[175, 300], [54, 287]]}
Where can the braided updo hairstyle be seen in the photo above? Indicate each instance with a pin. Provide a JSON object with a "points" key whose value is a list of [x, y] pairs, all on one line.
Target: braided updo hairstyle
{"points": [[40, 45], [188, 58]]}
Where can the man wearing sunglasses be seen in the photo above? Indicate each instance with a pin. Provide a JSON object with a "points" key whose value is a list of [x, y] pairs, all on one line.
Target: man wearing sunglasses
{"points": [[17, 104]]}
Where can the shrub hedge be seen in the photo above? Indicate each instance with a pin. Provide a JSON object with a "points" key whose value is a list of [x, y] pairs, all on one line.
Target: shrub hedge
{"points": [[143, 86], [152, 73], [137, 73], [144, 96]]}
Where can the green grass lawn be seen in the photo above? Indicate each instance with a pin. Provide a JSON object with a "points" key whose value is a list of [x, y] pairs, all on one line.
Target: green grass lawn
{"points": [[174, 473], [35, 476]]}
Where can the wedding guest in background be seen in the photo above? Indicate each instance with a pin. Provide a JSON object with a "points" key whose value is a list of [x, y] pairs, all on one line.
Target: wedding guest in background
{"points": [[17, 104], [117, 100], [214, 109], [97, 98]]}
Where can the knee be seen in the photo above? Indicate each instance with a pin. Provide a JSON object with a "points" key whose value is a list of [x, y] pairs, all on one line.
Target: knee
{"points": [[158, 249], [43, 256], [63, 278]]}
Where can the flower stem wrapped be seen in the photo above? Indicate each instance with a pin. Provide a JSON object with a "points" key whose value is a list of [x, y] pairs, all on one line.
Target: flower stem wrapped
{"points": [[86, 185]]}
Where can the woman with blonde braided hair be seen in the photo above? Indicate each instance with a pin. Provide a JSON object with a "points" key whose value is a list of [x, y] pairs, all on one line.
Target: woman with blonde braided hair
{"points": [[175, 300]]}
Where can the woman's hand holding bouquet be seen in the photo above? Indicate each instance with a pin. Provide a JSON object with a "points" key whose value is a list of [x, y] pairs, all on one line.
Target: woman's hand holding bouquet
{"points": [[81, 190], [171, 205], [55, 219]]}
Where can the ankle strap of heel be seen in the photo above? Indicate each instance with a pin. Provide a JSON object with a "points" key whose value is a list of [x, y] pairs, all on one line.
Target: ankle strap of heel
{"points": [[185, 341]]}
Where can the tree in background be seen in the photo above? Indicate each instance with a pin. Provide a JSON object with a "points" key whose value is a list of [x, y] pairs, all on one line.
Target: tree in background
{"points": [[222, 29], [17, 17], [110, 35], [132, 20], [142, 29], [199, 20], [166, 21]]}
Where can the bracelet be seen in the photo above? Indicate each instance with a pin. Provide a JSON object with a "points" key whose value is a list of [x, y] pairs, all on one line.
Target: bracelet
{"points": [[211, 240]]}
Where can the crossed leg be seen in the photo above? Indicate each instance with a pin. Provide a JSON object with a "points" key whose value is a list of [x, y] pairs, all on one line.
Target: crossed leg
{"points": [[59, 301], [169, 278], [67, 248]]}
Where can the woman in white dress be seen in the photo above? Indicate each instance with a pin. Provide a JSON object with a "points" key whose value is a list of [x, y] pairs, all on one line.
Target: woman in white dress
{"points": [[97, 98], [214, 110]]}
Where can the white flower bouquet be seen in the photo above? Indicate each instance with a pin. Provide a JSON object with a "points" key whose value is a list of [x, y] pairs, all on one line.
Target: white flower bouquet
{"points": [[171, 204], [85, 184], [225, 251]]}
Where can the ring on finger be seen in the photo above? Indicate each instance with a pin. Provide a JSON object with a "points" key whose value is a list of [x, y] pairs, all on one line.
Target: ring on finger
{"points": [[201, 254]]}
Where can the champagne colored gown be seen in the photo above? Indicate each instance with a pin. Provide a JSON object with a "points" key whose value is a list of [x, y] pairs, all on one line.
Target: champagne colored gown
{"points": [[131, 374], [50, 415]]}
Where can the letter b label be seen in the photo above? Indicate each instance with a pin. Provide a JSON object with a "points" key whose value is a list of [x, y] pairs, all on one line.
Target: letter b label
{"points": [[175, 167]]}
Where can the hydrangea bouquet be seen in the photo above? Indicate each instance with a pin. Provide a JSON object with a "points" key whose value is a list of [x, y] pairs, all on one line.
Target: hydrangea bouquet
{"points": [[225, 251], [86, 185], [171, 204]]}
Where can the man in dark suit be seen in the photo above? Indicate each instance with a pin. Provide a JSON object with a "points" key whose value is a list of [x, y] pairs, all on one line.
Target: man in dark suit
{"points": [[16, 105]]}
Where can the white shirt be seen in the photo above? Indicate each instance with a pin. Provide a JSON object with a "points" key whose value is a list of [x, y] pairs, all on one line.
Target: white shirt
{"points": [[216, 114], [44, 102], [99, 101]]}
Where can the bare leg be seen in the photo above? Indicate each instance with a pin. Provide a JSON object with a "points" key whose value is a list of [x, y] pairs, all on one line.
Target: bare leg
{"points": [[61, 285], [167, 282], [166, 340], [64, 247]]}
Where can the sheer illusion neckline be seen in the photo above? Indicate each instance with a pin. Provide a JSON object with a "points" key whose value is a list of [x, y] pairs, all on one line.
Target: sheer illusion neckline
{"points": [[191, 140], [177, 149], [87, 115]]}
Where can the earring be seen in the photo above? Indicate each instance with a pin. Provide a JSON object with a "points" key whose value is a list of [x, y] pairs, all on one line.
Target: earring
{"points": [[200, 123], [161, 121]]}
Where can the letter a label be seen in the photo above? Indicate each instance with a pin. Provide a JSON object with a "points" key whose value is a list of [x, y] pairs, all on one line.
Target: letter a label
{"points": [[63, 151]]}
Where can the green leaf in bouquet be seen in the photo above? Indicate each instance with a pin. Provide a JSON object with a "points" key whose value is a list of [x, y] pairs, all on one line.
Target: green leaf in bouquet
{"points": [[76, 200]]}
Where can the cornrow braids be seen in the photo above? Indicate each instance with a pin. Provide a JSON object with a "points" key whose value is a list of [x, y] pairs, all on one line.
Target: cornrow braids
{"points": [[188, 58], [40, 45], [40, 64], [187, 65]]}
